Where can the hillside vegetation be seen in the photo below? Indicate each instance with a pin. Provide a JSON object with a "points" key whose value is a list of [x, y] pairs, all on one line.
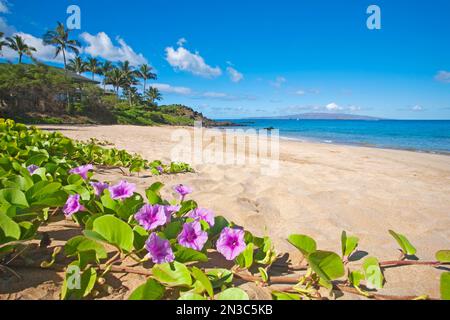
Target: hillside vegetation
{"points": [[37, 93]]}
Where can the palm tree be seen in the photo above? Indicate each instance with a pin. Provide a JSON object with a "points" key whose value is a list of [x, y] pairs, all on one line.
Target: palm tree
{"points": [[114, 78], [128, 78], [145, 72], [152, 95], [17, 43], [77, 65], [93, 66], [2, 42], [106, 68], [60, 38]]}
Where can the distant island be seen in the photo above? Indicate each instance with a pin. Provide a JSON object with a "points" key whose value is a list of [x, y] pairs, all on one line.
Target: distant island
{"points": [[323, 116]]}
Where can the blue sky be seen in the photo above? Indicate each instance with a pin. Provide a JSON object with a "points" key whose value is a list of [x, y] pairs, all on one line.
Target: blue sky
{"points": [[261, 58]]}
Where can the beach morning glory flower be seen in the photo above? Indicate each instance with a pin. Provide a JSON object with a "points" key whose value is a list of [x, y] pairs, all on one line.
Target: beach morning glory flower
{"points": [[82, 170], [159, 250], [73, 205], [231, 243], [193, 236], [32, 168], [99, 187], [151, 217], [122, 190], [203, 214], [182, 190], [160, 169], [170, 210]]}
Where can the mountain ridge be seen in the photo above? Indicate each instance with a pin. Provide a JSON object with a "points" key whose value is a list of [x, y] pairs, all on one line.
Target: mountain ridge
{"points": [[322, 116]]}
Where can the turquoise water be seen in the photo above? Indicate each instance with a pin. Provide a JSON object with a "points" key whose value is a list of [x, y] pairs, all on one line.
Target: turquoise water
{"points": [[427, 136]]}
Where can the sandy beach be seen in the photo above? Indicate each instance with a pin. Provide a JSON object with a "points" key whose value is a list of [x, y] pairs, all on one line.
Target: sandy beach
{"points": [[320, 190]]}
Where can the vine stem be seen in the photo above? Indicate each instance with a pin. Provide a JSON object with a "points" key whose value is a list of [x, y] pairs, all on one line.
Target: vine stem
{"points": [[341, 287], [390, 264]]}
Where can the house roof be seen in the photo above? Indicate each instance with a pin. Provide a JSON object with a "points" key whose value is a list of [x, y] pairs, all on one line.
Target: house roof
{"points": [[80, 78]]}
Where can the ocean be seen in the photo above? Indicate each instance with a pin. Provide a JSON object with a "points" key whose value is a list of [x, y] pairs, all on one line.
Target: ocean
{"points": [[420, 135]]}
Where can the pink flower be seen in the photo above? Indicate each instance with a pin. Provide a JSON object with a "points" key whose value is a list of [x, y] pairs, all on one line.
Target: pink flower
{"points": [[99, 187], [122, 190], [82, 170], [193, 236], [182, 190], [151, 217], [203, 214], [32, 169], [159, 250], [231, 243], [73, 205], [170, 210]]}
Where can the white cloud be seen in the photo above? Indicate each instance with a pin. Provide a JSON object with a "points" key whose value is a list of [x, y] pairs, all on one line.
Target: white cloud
{"points": [[5, 28], [43, 52], [303, 92], [181, 42], [417, 108], [167, 88], [100, 45], [333, 107], [278, 82], [184, 60], [4, 6], [235, 75], [214, 95], [354, 108], [443, 76]]}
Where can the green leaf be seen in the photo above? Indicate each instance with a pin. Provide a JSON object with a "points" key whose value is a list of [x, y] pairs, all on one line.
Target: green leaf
{"points": [[373, 274], [327, 265], [285, 296], [172, 230], [75, 179], [10, 229], [403, 242], [140, 236], [77, 284], [152, 197], [82, 191], [219, 277], [14, 197], [114, 231], [203, 279], [220, 223], [305, 244], [245, 259], [28, 230], [186, 207], [349, 244], [172, 274], [264, 275], [184, 255], [44, 188], [191, 296], [36, 160], [445, 286], [80, 244], [443, 256], [151, 290], [355, 278], [233, 294]]}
